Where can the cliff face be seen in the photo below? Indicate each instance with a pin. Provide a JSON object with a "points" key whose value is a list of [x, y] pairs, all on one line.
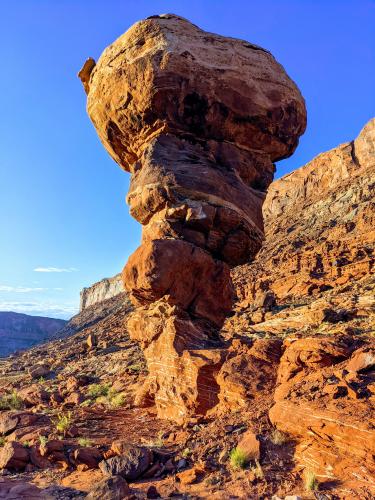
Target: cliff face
{"points": [[319, 225], [102, 290], [21, 331]]}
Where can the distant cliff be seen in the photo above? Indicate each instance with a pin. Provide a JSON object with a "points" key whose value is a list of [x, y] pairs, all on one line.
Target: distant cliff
{"points": [[21, 331], [102, 290]]}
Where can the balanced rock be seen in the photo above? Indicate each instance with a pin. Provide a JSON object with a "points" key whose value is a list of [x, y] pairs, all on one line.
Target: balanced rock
{"points": [[198, 120]]}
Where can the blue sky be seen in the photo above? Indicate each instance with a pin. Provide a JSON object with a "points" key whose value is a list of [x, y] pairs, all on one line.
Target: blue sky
{"points": [[64, 223]]}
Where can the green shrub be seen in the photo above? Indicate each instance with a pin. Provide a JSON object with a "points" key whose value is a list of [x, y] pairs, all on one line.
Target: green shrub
{"points": [[116, 400], [97, 390], [11, 401], [2, 441], [135, 368], [82, 441], [186, 453], [238, 458], [311, 483], [103, 393], [63, 422]]}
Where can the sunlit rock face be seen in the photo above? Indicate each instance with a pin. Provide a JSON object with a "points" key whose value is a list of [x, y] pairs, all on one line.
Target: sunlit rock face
{"points": [[198, 119]]}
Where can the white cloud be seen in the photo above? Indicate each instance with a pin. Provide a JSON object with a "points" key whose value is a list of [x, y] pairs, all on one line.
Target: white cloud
{"points": [[43, 308], [21, 289], [55, 269]]}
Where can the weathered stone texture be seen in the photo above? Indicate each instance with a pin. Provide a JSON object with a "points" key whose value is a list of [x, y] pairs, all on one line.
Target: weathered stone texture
{"points": [[198, 120]]}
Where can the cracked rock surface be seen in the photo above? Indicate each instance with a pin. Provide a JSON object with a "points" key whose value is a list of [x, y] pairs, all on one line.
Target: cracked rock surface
{"points": [[198, 120]]}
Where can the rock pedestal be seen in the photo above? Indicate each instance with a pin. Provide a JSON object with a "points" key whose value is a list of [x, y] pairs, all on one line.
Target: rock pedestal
{"points": [[198, 120]]}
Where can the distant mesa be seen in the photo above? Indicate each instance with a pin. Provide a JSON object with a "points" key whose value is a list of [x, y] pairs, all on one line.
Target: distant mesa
{"points": [[21, 331], [102, 290]]}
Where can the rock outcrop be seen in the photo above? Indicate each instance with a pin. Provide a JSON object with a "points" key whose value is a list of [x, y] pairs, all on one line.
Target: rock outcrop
{"points": [[198, 120], [325, 400], [102, 290], [320, 222]]}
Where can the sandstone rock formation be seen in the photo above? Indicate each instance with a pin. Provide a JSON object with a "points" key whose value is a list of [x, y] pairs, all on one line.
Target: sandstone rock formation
{"points": [[198, 120], [325, 400]]}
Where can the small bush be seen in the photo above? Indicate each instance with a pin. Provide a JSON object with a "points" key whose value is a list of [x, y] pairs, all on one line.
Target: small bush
{"points": [[11, 401], [278, 438], [43, 441], [186, 453], [258, 471], [82, 441], [135, 368], [238, 458], [86, 403], [104, 394], [26, 444], [311, 483], [2, 441], [98, 390], [63, 422], [116, 400]]}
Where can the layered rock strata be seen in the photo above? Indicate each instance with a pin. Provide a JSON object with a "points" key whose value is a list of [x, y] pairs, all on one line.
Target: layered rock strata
{"points": [[198, 120], [319, 222]]}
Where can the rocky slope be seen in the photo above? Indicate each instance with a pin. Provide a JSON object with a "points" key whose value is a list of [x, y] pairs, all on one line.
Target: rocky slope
{"points": [[298, 379], [320, 226], [21, 331]]}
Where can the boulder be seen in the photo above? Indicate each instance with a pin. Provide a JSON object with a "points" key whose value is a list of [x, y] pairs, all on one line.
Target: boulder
{"points": [[37, 459], [191, 476], [232, 90], [361, 360], [8, 422], [14, 490], [33, 395], [110, 488], [74, 399], [250, 446], [88, 455], [14, 456], [39, 371], [131, 464]]}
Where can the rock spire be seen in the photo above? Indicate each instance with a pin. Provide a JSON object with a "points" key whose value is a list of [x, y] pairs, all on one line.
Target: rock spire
{"points": [[198, 120]]}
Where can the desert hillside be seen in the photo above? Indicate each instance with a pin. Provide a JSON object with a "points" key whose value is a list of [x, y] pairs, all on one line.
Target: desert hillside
{"points": [[21, 331], [299, 374]]}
